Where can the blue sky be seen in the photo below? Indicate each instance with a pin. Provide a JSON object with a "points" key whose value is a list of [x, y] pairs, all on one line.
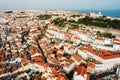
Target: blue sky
{"points": [[60, 4]]}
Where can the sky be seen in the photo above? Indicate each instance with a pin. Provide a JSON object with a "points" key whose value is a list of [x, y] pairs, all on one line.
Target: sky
{"points": [[60, 4]]}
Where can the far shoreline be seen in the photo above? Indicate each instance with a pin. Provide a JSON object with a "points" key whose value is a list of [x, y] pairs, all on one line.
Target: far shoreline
{"points": [[107, 13]]}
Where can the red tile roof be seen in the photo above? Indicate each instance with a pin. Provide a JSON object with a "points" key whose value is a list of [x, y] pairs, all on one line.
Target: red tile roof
{"points": [[24, 59], [43, 78], [1, 51], [81, 70], [78, 58], [90, 67], [103, 53], [38, 59]]}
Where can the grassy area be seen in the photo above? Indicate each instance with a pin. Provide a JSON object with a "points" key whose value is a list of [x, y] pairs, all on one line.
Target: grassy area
{"points": [[9, 12], [44, 17], [100, 22], [60, 22]]}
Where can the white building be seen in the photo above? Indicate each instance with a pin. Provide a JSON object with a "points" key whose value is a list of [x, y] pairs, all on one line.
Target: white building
{"points": [[107, 59], [109, 41], [82, 35], [97, 68], [98, 41], [94, 15], [81, 74], [78, 77], [116, 45], [70, 49]]}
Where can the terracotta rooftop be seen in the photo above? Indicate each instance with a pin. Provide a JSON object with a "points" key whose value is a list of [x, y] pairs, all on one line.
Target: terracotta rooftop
{"points": [[81, 70], [1, 51], [78, 58], [101, 39], [38, 59], [103, 53]]}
